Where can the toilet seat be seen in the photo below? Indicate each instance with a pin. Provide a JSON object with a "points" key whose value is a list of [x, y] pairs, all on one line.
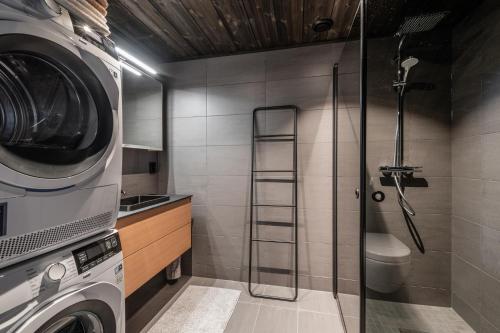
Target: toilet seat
{"points": [[386, 248]]}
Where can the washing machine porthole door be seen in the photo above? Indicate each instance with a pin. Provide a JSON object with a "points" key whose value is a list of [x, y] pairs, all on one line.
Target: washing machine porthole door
{"points": [[56, 119], [90, 316], [80, 322]]}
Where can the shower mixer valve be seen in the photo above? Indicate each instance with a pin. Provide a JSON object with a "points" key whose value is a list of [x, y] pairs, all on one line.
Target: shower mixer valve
{"points": [[389, 171]]}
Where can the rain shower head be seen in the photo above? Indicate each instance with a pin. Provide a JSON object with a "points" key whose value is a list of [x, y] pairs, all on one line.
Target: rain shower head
{"points": [[407, 64], [421, 23]]}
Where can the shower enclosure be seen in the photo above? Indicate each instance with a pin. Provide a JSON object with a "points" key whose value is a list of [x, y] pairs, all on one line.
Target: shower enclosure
{"points": [[417, 168]]}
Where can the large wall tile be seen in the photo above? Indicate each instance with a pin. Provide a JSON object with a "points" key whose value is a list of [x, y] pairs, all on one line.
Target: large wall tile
{"points": [[188, 161], [195, 185], [487, 327], [490, 209], [193, 72], [315, 126], [471, 316], [434, 156], [236, 69], [187, 102], [466, 159], [313, 93], [229, 130], [235, 99], [466, 238], [467, 199], [490, 157], [229, 221], [490, 251], [315, 192], [296, 62], [465, 282], [229, 160], [228, 190], [315, 159], [490, 299], [431, 269], [188, 131]]}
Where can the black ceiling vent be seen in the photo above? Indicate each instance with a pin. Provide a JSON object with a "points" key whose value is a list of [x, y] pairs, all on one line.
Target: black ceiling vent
{"points": [[322, 24]]}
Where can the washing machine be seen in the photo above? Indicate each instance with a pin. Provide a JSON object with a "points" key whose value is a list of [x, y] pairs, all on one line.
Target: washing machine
{"points": [[75, 289], [60, 136]]}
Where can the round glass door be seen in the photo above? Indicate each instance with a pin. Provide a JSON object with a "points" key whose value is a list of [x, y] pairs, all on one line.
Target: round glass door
{"points": [[80, 322], [55, 118], [91, 316]]}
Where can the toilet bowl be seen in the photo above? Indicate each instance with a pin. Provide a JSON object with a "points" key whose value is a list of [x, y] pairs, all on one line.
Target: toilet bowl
{"points": [[387, 262]]}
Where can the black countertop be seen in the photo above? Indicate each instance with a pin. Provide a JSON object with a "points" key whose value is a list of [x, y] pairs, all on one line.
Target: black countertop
{"points": [[173, 198]]}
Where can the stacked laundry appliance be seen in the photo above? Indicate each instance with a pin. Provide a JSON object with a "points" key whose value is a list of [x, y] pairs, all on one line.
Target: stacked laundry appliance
{"points": [[60, 174]]}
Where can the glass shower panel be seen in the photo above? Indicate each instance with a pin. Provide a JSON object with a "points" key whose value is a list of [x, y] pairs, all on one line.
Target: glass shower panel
{"points": [[347, 152], [422, 77]]}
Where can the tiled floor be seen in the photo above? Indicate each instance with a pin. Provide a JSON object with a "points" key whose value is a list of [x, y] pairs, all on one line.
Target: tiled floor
{"points": [[390, 317], [314, 311]]}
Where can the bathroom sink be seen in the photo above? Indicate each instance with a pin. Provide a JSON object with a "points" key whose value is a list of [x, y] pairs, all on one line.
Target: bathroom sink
{"points": [[141, 201]]}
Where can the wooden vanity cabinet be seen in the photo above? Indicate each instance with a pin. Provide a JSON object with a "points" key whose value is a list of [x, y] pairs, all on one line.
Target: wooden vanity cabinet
{"points": [[153, 239]]}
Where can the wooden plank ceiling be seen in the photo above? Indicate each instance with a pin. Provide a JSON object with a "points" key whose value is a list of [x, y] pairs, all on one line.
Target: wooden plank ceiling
{"points": [[168, 30]]}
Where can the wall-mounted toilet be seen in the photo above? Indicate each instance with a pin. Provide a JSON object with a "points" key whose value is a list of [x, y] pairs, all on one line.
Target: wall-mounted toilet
{"points": [[387, 262]]}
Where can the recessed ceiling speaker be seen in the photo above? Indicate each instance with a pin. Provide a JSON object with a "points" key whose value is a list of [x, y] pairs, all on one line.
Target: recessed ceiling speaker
{"points": [[322, 24]]}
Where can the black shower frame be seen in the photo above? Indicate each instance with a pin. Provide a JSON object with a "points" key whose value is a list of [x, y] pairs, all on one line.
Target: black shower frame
{"points": [[362, 166]]}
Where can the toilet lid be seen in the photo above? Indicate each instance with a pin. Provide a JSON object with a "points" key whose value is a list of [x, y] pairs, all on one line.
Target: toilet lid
{"points": [[386, 248]]}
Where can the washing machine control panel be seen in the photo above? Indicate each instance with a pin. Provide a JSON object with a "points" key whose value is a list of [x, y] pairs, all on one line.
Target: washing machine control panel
{"points": [[93, 254]]}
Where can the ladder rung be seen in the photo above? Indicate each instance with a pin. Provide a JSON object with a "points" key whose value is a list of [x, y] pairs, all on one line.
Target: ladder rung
{"points": [[271, 180], [274, 171], [285, 206], [275, 140], [272, 241], [274, 270], [273, 136], [275, 224]]}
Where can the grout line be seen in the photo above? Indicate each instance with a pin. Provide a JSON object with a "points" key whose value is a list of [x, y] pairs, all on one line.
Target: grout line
{"points": [[256, 318]]}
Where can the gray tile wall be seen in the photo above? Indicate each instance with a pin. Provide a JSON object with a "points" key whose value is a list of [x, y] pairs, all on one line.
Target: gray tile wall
{"points": [[210, 124], [475, 169], [426, 144], [136, 178]]}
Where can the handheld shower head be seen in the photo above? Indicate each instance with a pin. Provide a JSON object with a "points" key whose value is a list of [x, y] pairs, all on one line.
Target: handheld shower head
{"points": [[407, 65]]}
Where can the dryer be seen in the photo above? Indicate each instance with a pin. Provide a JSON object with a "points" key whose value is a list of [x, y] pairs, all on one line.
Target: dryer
{"points": [[60, 137], [75, 289]]}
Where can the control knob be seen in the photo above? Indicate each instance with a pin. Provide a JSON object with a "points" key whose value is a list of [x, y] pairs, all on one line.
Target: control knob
{"points": [[55, 272]]}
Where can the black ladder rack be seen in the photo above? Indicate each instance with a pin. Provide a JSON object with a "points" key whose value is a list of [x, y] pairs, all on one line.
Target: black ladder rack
{"points": [[290, 178]]}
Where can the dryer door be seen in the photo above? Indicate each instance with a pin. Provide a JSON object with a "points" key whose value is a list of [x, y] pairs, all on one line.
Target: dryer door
{"points": [[58, 113], [94, 309]]}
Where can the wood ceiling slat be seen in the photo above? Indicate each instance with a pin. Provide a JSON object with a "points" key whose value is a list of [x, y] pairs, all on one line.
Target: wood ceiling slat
{"points": [[289, 20], [127, 29], [260, 14], [207, 18], [175, 12], [149, 16], [313, 10], [233, 16]]}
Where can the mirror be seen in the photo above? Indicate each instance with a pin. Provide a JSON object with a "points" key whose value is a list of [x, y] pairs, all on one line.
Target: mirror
{"points": [[142, 112]]}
